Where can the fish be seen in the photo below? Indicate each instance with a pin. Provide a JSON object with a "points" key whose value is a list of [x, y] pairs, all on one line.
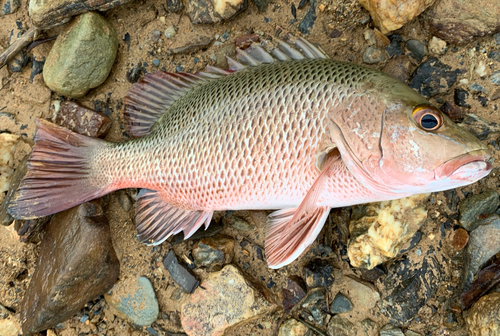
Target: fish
{"points": [[285, 128]]}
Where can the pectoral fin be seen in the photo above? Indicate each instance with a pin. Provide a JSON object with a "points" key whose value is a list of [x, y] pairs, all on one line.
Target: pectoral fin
{"points": [[157, 220], [290, 231]]}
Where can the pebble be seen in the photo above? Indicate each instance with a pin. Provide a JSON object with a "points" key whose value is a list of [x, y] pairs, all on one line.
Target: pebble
{"points": [[155, 36], [134, 299], [10, 7], [340, 304], [417, 49], [82, 120], [179, 273], [460, 97], [207, 11], [494, 55], [433, 77], [170, 32], [211, 309], [10, 326], [82, 56], [192, 45], [134, 73], [437, 46], [214, 251], [373, 55], [460, 22], [124, 200], [476, 207], [398, 67], [483, 319], [481, 69], [390, 330], [292, 327], [362, 294], [495, 78], [452, 111], [175, 6], [476, 88], [76, 263], [294, 292], [484, 242], [409, 284], [389, 15], [156, 62], [460, 239], [319, 273]]}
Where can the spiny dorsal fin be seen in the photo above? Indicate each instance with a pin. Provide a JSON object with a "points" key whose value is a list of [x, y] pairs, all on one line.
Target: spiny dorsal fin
{"points": [[148, 100]]}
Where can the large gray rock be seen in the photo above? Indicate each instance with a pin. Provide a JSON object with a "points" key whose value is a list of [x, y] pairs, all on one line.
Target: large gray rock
{"points": [[77, 262], [82, 56]]}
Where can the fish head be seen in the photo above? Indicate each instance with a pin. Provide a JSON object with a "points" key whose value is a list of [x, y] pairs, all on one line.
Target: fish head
{"points": [[396, 143]]}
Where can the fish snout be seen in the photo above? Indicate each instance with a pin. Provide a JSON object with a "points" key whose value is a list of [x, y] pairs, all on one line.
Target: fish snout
{"points": [[471, 166]]}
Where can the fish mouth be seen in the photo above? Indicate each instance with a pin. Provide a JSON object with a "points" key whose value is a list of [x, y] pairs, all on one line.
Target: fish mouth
{"points": [[468, 167]]}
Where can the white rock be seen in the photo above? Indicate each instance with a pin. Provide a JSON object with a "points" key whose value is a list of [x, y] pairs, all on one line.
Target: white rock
{"points": [[437, 46]]}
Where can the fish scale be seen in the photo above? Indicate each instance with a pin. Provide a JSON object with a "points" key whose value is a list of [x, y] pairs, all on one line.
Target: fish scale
{"points": [[299, 132]]}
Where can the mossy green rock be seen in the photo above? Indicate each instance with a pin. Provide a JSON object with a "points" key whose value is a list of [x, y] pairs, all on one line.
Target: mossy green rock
{"points": [[82, 57]]}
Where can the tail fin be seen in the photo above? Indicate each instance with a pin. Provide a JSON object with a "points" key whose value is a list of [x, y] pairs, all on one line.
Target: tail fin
{"points": [[59, 176]]}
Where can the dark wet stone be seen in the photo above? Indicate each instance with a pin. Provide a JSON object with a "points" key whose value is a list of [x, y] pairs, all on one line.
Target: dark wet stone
{"points": [[294, 292], [394, 48], [319, 273], [10, 6], [340, 304], [433, 77], [373, 55], [398, 67], [494, 55], [82, 120], [335, 33], [134, 300], [484, 242], [36, 67], [452, 111], [76, 263], [134, 73], [373, 274], [479, 127], [497, 38], [411, 281], [486, 279], [18, 62], [214, 251], [180, 274], [460, 22], [416, 49], [476, 88], [307, 23], [175, 6], [460, 97], [477, 207], [261, 4]]}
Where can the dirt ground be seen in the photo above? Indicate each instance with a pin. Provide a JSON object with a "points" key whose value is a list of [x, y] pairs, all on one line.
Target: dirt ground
{"points": [[134, 22]]}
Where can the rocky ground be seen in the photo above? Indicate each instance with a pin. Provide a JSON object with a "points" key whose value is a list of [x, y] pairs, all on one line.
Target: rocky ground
{"points": [[84, 272]]}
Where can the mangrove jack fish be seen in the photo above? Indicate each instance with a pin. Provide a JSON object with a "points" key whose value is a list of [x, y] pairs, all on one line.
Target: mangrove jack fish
{"points": [[285, 128]]}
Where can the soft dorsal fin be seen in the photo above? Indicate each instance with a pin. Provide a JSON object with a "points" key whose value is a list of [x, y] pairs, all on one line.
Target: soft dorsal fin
{"points": [[157, 220], [147, 100]]}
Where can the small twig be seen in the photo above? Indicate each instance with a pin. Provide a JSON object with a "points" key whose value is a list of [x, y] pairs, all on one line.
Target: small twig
{"points": [[28, 37]]}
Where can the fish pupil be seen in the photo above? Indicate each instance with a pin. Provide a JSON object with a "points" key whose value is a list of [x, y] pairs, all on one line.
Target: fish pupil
{"points": [[428, 121]]}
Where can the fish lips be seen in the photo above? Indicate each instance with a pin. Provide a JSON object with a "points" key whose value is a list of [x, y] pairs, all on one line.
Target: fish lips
{"points": [[469, 167]]}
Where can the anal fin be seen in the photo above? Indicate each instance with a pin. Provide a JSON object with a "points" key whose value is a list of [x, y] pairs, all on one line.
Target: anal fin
{"points": [[290, 231], [157, 220]]}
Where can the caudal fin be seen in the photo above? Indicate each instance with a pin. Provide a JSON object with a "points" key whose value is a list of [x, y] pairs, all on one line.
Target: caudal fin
{"points": [[58, 176]]}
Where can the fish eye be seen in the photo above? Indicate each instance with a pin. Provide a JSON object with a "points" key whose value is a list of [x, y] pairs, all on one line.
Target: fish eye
{"points": [[427, 117]]}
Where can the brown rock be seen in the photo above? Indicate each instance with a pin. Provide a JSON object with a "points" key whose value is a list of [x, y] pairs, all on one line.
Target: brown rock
{"points": [[224, 299], [214, 251], [192, 45], [294, 292], [246, 41], [76, 263], [212, 11], [50, 13], [461, 21], [399, 67], [460, 239], [452, 111], [389, 15], [484, 317], [82, 120]]}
